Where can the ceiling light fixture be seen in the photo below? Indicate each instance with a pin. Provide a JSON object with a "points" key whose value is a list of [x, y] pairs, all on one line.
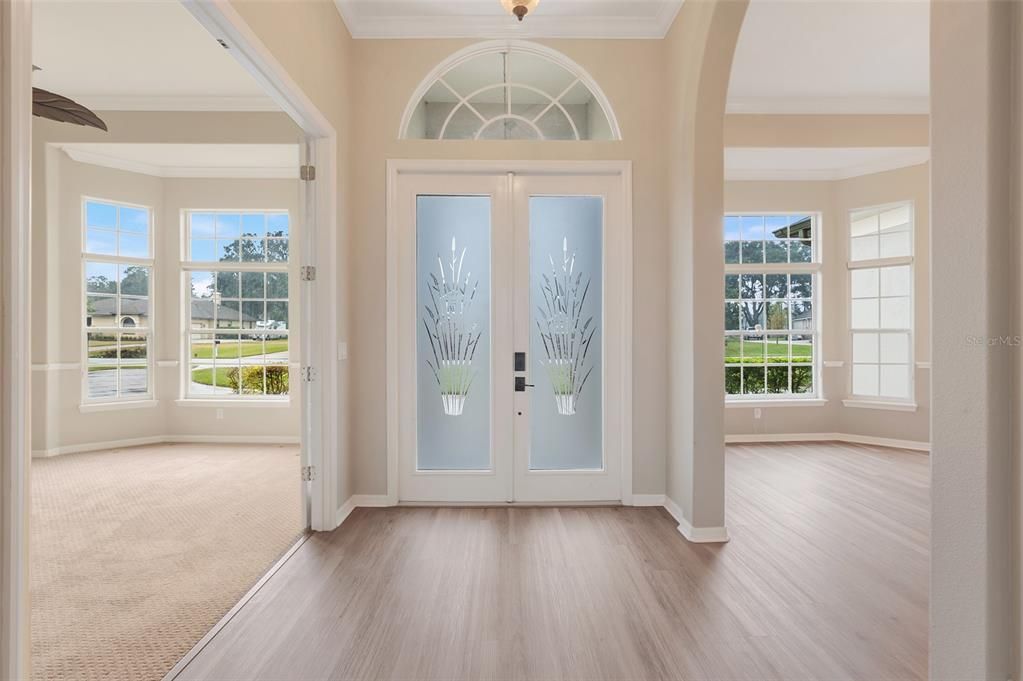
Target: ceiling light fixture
{"points": [[520, 8]]}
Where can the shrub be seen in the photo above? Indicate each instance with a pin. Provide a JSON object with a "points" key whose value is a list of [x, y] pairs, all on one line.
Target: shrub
{"points": [[802, 379], [733, 380], [126, 353], [754, 382], [252, 380]]}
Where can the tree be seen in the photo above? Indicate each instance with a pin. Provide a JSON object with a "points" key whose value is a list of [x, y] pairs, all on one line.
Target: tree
{"points": [[135, 281], [99, 283], [777, 316]]}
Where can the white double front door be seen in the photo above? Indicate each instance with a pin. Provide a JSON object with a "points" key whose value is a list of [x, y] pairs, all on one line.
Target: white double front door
{"points": [[508, 348]]}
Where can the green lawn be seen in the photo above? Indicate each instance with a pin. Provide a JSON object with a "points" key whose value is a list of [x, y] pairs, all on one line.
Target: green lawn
{"points": [[108, 367], [776, 352], [231, 350], [205, 376]]}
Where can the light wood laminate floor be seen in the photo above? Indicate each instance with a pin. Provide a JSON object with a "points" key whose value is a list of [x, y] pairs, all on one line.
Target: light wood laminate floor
{"points": [[826, 577]]}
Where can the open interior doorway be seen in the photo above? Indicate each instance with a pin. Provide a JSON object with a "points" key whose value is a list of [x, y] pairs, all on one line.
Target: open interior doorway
{"points": [[172, 433], [827, 333]]}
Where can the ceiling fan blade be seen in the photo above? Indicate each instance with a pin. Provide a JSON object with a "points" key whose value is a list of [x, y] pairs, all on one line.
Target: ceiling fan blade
{"points": [[54, 107]]}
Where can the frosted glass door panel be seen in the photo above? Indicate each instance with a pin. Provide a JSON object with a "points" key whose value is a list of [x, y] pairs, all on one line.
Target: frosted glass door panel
{"points": [[566, 332], [453, 343]]}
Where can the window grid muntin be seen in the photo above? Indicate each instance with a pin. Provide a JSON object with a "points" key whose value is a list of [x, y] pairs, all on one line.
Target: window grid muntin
{"points": [[788, 243], [88, 257], [788, 270], [241, 267], [881, 263], [116, 230], [217, 238], [553, 101], [607, 127]]}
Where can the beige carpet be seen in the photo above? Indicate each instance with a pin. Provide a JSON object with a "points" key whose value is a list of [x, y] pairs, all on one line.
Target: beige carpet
{"points": [[136, 553]]}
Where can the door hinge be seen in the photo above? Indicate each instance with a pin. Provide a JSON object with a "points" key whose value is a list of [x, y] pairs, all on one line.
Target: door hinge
{"points": [[308, 374], [308, 473], [307, 273], [307, 173]]}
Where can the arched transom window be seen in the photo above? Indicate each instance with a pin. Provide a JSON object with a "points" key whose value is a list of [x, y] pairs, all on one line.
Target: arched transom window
{"points": [[509, 90]]}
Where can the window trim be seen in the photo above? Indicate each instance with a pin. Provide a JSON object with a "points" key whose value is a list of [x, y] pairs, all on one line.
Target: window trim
{"points": [[185, 268], [879, 401], [87, 403], [814, 269]]}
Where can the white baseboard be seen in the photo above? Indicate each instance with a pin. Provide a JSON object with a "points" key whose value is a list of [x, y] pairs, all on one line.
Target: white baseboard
{"points": [[648, 500], [696, 535], [371, 500], [165, 439], [96, 446], [360, 501], [345, 511], [829, 437]]}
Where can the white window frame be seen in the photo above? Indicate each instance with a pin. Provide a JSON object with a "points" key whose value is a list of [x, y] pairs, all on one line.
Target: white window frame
{"points": [[856, 399], [813, 268], [150, 331], [557, 59], [188, 266]]}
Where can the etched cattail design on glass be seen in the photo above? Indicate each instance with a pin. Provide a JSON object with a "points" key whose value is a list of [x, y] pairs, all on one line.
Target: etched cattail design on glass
{"points": [[452, 339], [566, 337]]}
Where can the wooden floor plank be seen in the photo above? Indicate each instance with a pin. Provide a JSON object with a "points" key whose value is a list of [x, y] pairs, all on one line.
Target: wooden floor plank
{"points": [[826, 577]]}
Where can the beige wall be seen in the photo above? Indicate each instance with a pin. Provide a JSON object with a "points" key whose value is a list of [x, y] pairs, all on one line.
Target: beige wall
{"points": [[313, 46], [833, 200], [179, 127], [699, 51], [632, 74], [846, 130], [58, 422], [1017, 285], [669, 98], [59, 183], [975, 233]]}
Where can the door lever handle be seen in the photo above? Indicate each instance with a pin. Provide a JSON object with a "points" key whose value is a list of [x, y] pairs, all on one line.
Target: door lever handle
{"points": [[521, 385]]}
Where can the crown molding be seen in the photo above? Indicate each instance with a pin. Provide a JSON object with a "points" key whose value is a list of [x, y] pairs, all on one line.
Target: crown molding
{"points": [[175, 103], [536, 26], [828, 105], [246, 172], [911, 156]]}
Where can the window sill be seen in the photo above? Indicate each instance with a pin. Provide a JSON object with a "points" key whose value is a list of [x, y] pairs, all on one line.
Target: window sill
{"points": [[761, 404], [880, 404], [116, 406], [220, 404]]}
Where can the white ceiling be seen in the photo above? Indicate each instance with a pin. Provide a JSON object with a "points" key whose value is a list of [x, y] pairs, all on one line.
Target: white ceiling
{"points": [[817, 163], [834, 56], [794, 56], [192, 160], [133, 55], [487, 19]]}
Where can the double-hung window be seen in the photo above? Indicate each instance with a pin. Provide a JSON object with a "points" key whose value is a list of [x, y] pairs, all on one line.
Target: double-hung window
{"points": [[881, 305], [771, 329], [117, 269], [236, 280]]}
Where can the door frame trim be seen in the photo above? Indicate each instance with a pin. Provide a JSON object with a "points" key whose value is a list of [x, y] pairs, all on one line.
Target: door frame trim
{"points": [[323, 447], [15, 330], [398, 167]]}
